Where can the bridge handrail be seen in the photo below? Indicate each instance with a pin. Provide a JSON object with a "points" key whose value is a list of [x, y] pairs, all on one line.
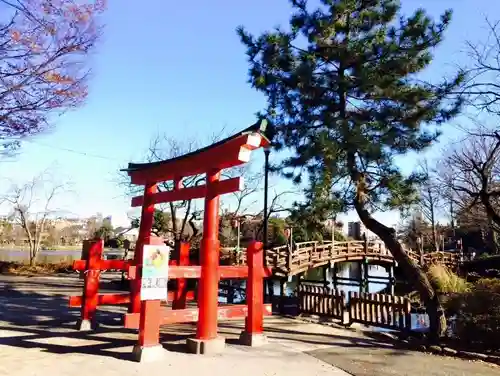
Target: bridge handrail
{"points": [[307, 254]]}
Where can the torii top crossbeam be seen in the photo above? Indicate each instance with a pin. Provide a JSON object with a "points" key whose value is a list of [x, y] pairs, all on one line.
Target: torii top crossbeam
{"points": [[230, 152]]}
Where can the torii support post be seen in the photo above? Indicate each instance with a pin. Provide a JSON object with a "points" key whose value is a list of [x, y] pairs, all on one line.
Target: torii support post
{"points": [[207, 340], [93, 250], [148, 346], [145, 227]]}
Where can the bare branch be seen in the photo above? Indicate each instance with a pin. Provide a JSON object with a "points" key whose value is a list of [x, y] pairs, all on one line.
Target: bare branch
{"points": [[483, 87], [471, 172], [430, 199]]}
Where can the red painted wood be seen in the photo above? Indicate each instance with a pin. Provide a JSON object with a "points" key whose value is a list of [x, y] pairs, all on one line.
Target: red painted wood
{"points": [[117, 299], [80, 264], [255, 289], [233, 272], [102, 299], [149, 323], [232, 153], [227, 312], [221, 187], [91, 279], [194, 271], [268, 272], [179, 301], [147, 217], [103, 265], [208, 290]]}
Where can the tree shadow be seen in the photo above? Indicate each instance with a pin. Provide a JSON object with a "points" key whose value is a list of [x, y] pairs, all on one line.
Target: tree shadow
{"points": [[35, 320], [45, 321], [358, 340]]}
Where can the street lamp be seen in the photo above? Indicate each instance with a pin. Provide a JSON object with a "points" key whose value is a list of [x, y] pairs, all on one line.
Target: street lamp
{"points": [[267, 150]]}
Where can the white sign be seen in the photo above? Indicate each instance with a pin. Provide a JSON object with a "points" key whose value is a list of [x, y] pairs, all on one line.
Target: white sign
{"points": [[155, 272]]}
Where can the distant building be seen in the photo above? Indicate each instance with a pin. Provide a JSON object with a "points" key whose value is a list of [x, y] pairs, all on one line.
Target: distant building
{"points": [[357, 229]]}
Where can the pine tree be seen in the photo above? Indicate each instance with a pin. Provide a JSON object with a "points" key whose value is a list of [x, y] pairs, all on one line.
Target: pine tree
{"points": [[344, 97]]}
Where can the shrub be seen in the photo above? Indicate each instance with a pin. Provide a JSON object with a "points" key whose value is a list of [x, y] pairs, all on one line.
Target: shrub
{"points": [[21, 269], [446, 281], [477, 312], [483, 256]]}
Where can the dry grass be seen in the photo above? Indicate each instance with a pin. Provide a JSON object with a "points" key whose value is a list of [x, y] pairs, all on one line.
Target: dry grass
{"points": [[21, 269], [446, 281]]}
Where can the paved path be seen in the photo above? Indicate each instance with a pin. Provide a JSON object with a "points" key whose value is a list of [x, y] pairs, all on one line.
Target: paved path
{"points": [[37, 336]]}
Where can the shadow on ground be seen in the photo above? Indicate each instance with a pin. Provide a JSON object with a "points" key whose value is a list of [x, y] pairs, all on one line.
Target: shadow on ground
{"points": [[36, 320], [31, 320]]}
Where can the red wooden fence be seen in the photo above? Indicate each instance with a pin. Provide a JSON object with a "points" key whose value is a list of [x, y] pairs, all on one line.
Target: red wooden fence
{"points": [[94, 264], [149, 320]]}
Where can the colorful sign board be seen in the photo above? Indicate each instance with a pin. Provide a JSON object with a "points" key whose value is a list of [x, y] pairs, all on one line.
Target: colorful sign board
{"points": [[155, 272]]}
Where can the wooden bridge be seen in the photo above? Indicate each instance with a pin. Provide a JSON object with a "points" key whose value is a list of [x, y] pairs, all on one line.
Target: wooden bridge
{"points": [[291, 260]]}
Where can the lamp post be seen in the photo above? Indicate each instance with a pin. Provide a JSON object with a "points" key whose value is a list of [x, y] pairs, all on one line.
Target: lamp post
{"points": [[420, 249], [334, 226], [267, 150]]}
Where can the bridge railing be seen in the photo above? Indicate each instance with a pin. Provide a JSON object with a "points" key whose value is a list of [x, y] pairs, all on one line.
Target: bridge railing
{"points": [[305, 254]]}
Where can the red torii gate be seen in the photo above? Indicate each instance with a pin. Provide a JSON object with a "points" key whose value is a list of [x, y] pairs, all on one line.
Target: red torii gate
{"points": [[230, 152]]}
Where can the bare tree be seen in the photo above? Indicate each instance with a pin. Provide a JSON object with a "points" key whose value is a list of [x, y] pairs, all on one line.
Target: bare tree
{"points": [[32, 207], [184, 217], [430, 199], [472, 174], [483, 86], [240, 202]]}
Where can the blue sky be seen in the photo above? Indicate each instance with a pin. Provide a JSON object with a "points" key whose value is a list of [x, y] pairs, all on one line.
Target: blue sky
{"points": [[178, 68]]}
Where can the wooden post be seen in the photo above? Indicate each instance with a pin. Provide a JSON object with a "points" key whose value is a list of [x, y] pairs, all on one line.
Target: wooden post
{"points": [[334, 276], [181, 288], [392, 281], [254, 324], [91, 285], [289, 259], [282, 295], [325, 276], [147, 218], [366, 277]]}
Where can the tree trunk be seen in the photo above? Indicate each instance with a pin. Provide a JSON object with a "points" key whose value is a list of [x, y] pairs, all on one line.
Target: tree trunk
{"points": [[33, 254], [411, 271], [433, 219]]}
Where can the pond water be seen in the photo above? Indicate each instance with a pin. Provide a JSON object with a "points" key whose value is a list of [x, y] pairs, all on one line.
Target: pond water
{"points": [[48, 256]]}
